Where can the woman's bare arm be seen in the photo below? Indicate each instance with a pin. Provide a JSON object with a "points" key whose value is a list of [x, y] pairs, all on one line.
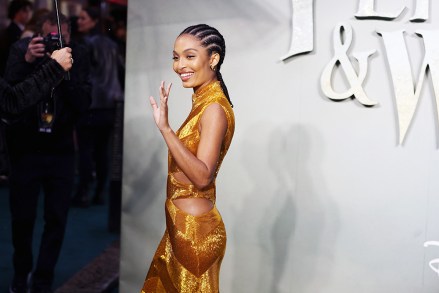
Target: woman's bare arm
{"points": [[199, 168]]}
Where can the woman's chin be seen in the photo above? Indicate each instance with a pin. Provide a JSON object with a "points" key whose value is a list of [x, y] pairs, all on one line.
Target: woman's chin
{"points": [[186, 85]]}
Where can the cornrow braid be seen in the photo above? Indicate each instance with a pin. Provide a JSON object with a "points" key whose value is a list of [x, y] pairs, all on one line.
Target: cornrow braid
{"points": [[213, 41], [223, 86]]}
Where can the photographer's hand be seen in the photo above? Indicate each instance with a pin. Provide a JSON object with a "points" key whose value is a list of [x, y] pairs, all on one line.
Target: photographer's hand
{"points": [[63, 57], [35, 50]]}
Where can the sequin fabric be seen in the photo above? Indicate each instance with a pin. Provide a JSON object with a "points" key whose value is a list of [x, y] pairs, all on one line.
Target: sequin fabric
{"points": [[189, 256]]}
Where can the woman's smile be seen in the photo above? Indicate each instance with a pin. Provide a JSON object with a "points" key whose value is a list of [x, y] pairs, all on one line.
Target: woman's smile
{"points": [[186, 76]]}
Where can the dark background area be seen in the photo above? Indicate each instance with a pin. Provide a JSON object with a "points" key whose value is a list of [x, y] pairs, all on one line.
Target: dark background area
{"points": [[89, 230]]}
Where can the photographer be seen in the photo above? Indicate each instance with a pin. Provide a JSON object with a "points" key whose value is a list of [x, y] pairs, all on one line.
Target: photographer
{"points": [[15, 99], [41, 152]]}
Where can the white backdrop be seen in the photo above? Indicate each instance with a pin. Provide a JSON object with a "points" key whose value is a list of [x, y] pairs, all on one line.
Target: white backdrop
{"points": [[316, 195]]}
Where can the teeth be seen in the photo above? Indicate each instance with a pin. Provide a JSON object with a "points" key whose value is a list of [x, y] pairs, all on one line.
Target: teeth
{"points": [[186, 74]]}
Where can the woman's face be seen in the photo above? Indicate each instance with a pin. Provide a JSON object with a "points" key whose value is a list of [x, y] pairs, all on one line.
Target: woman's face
{"points": [[193, 63], [85, 22]]}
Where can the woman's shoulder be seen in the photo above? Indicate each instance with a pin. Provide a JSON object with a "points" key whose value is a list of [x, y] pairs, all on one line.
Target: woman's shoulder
{"points": [[219, 102], [220, 108]]}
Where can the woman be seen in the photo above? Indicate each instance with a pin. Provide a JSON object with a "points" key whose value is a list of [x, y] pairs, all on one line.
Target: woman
{"points": [[189, 255], [94, 129]]}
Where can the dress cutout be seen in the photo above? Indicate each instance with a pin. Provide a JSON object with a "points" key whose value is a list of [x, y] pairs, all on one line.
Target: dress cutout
{"points": [[189, 256]]}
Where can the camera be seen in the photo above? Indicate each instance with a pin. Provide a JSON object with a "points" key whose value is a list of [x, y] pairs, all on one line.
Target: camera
{"points": [[51, 42]]}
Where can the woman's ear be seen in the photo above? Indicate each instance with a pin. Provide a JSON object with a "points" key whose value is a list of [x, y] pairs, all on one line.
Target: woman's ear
{"points": [[214, 59]]}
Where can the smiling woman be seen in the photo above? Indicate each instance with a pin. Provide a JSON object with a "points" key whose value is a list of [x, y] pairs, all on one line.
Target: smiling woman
{"points": [[189, 256], [193, 63]]}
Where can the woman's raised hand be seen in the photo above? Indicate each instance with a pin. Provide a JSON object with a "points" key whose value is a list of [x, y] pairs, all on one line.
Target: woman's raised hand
{"points": [[160, 113]]}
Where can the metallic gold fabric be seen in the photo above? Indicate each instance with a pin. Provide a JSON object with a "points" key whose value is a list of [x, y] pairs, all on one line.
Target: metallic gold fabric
{"points": [[189, 255]]}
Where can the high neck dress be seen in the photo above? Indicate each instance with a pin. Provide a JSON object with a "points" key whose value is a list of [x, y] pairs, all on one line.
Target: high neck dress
{"points": [[189, 255]]}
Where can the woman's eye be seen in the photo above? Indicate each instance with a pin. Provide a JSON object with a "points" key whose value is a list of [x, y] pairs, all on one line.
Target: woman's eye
{"points": [[175, 58], [190, 56]]}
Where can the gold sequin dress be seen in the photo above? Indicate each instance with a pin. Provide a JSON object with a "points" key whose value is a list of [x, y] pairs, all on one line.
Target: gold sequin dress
{"points": [[189, 255]]}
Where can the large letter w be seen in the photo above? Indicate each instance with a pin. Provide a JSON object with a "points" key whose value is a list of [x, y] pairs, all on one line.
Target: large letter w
{"points": [[406, 94]]}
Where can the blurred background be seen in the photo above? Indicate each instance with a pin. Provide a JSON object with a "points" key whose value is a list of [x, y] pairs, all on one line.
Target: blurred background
{"points": [[91, 243]]}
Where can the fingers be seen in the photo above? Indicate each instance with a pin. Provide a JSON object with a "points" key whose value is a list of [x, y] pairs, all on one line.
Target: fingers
{"points": [[168, 90], [153, 103], [63, 57], [164, 93], [35, 49], [67, 52], [162, 90], [160, 112], [36, 40]]}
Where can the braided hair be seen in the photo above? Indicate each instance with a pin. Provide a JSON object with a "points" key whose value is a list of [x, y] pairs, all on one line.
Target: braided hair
{"points": [[213, 41]]}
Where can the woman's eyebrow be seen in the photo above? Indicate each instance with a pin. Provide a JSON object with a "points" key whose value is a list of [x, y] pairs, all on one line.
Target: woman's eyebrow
{"points": [[188, 49]]}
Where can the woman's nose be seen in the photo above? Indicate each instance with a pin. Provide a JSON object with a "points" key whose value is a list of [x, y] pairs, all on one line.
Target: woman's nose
{"points": [[181, 63]]}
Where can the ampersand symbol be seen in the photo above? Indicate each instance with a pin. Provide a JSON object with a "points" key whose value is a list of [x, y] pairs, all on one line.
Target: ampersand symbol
{"points": [[355, 80]]}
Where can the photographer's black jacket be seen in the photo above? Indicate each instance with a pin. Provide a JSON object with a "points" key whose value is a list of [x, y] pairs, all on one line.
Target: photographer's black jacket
{"points": [[15, 99], [72, 98]]}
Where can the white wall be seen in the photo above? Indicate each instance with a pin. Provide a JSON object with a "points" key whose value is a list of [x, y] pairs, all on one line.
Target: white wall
{"points": [[317, 196]]}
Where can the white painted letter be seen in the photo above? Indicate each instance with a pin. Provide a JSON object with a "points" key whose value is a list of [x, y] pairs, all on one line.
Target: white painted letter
{"points": [[422, 11], [366, 9], [302, 33], [397, 56]]}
